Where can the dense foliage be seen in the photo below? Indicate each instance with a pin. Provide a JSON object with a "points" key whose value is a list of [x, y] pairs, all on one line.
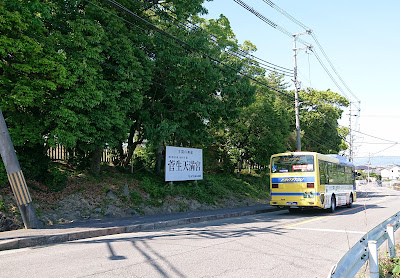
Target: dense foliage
{"points": [[87, 75]]}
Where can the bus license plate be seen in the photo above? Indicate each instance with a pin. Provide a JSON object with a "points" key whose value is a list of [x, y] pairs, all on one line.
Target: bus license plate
{"points": [[291, 203]]}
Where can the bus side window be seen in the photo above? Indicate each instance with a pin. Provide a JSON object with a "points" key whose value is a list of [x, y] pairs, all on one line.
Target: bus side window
{"points": [[332, 173], [349, 175], [323, 172], [341, 174]]}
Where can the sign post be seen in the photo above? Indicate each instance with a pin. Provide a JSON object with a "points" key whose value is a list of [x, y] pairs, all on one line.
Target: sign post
{"points": [[183, 164], [16, 177]]}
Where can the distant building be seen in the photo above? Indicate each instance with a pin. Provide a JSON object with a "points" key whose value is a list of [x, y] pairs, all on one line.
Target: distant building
{"points": [[370, 169], [391, 173], [362, 167]]}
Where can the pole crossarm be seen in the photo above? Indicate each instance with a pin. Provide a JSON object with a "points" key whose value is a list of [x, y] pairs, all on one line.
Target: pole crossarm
{"points": [[303, 33], [310, 47]]}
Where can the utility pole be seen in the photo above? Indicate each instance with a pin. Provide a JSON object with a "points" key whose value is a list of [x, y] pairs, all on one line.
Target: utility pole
{"points": [[369, 163], [296, 87], [16, 178], [351, 137], [350, 133]]}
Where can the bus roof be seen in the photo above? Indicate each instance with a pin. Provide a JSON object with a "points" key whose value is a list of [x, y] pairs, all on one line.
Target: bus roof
{"points": [[334, 158], [342, 160]]}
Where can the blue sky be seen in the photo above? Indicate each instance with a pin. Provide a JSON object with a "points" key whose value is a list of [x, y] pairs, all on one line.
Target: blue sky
{"points": [[361, 40]]}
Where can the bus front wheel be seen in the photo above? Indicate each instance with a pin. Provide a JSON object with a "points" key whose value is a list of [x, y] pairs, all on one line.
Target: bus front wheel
{"points": [[333, 204], [350, 204]]}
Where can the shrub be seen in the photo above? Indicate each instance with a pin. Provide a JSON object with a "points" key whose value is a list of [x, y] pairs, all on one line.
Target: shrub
{"points": [[154, 188], [3, 175], [2, 207], [396, 269], [55, 180], [135, 198], [389, 267]]}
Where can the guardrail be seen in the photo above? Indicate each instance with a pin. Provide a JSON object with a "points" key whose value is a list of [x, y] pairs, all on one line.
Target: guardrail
{"points": [[367, 249]]}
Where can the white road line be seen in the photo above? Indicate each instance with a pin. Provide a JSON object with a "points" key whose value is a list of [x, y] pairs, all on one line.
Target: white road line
{"points": [[326, 230]]}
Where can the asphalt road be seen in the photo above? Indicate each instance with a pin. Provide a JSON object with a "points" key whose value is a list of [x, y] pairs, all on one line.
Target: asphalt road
{"points": [[273, 244]]}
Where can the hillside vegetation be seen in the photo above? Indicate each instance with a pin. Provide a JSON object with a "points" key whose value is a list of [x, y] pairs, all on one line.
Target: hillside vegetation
{"points": [[119, 193], [88, 76]]}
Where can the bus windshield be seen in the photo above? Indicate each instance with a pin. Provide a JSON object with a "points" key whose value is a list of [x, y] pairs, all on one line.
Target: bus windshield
{"points": [[292, 163]]}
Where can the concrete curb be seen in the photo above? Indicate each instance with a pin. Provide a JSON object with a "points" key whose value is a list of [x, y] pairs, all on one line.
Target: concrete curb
{"points": [[64, 236]]}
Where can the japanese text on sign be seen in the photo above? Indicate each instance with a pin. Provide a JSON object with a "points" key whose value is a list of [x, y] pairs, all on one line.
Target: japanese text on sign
{"points": [[183, 164]]}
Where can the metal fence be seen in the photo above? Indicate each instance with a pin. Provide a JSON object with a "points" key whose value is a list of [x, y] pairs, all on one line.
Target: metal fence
{"points": [[367, 249]]}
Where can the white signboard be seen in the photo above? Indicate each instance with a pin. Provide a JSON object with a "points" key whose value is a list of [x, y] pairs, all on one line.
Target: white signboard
{"points": [[183, 164]]}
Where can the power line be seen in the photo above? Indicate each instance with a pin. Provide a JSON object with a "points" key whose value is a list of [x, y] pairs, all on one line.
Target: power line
{"points": [[308, 30], [373, 143], [317, 142], [127, 72], [273, 5], [270, 3], [240, 53], [270, 22], [266, 67], [381, 156], [393, 143], [329, 143], [390, 141], [314, 140], [334, 69], [276, 26], [329, 74], [261, 83], [182, 43], [273, 65], [385, 149]]}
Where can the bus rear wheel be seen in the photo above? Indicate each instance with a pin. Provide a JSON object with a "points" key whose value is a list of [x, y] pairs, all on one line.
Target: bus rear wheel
{"points": [[350, 204], [333, 204]]}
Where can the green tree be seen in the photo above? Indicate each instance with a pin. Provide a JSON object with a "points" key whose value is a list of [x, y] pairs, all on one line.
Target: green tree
{"points": [[319, 123], [30, 71], [190, 90], [263, 126], [105, 67]]}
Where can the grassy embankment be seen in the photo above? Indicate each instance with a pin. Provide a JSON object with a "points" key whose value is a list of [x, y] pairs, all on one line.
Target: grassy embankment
{"points": [[148, 188], [143, 188]]}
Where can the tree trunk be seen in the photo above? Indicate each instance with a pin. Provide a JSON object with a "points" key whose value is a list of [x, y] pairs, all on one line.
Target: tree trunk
{"points": [[96, 161], [239, 165], [132, 144], [121, 155], [157, 168]]}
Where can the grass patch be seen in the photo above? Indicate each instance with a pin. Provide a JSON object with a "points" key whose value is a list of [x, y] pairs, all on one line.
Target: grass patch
{"points": [[209, 190], [135, 198], [143, 188], [390, 267], [3, 207]]}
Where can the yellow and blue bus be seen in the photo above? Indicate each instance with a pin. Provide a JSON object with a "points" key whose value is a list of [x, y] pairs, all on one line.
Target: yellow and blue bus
{"points": [[311, 180]]}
